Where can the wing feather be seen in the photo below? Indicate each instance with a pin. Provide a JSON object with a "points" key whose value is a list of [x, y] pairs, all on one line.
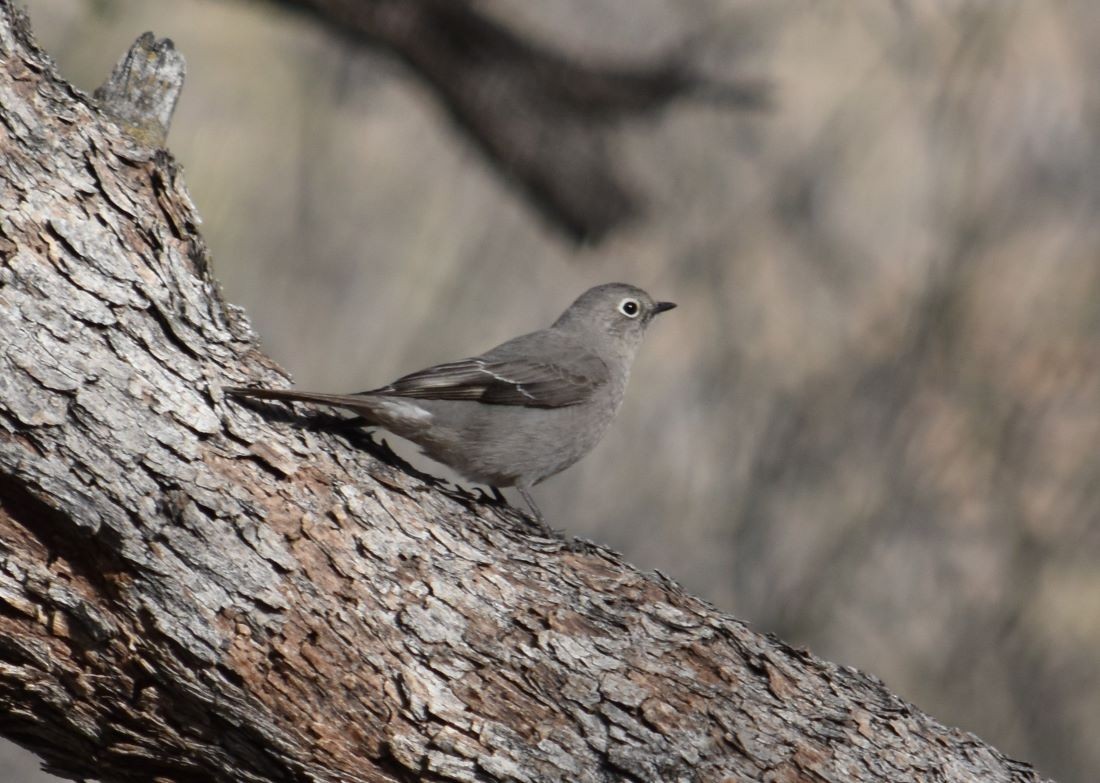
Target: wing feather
{"points": [[560, 377]]}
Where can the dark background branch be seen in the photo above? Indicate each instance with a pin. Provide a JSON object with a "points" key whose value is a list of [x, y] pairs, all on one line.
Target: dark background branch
{"points": [[541, 117]]}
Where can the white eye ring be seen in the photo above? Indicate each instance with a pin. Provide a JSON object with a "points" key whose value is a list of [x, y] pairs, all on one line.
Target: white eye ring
{"points": [[630, 307]]}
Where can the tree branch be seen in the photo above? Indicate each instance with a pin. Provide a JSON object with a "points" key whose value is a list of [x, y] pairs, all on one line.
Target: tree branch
{"points": [[189, 591], [142, 90]]}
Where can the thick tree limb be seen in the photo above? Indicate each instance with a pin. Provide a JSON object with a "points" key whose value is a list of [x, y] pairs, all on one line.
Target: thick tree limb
{"points": [[191, 592], [541, 118]]}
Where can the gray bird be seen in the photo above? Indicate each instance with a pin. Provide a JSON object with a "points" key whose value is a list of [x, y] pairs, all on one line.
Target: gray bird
{"points": [[520, 412]]}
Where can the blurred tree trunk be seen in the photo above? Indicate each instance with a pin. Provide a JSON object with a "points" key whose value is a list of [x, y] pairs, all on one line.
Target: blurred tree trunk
{"points": [[188, 592]]}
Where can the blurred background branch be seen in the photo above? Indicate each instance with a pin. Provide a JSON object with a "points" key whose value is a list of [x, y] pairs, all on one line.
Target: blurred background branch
{"points": [[540, 115]]}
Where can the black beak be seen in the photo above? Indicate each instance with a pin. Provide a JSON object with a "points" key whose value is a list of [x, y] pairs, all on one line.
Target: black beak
{"points": [[660, 307]]}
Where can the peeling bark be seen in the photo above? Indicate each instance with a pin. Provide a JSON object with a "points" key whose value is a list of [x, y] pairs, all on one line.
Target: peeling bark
{"points": [[192, 591]]}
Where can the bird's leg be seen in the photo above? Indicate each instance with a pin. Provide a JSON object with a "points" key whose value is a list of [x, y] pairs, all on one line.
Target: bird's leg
{"points": [[534, 509]]}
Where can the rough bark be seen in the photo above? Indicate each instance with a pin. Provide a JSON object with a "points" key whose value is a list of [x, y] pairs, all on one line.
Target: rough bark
{"points": [[192, 591], [541, 118]]}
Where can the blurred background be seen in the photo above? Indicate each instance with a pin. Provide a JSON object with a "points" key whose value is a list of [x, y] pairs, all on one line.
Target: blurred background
{"points": [[873, 425]]}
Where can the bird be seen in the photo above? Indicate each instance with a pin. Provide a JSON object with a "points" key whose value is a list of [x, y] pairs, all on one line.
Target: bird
{"points": [[522, 411]]}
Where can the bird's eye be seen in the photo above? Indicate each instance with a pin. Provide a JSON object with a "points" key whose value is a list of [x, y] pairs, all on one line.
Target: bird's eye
{"points": [[629, 308]]}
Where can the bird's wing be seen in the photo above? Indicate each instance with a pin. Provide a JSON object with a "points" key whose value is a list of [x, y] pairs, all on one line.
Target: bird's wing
{"points": [[532, 371]]}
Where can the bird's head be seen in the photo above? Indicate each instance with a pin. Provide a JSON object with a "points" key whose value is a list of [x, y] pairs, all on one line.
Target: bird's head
{"points": [[615, 311]]}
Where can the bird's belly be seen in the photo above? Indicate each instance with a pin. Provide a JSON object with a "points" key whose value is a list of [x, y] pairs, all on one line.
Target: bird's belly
{"points": [[505, 445]]}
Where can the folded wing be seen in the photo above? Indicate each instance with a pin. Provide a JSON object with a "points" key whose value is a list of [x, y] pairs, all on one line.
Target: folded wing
{"points": [[561, 376]]}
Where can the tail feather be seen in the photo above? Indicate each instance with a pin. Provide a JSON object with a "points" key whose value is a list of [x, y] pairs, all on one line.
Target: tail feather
{"points": [[356, 402]]}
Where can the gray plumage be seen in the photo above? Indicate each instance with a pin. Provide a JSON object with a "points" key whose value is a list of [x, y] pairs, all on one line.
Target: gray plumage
{"points": [[520, 412]]}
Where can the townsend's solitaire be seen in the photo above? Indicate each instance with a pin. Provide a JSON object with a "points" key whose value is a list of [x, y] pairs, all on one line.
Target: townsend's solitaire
{"points": [[524, 410]]}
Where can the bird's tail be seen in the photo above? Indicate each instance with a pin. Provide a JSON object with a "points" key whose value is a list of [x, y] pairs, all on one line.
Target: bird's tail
{"points": [[356, 402]]}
